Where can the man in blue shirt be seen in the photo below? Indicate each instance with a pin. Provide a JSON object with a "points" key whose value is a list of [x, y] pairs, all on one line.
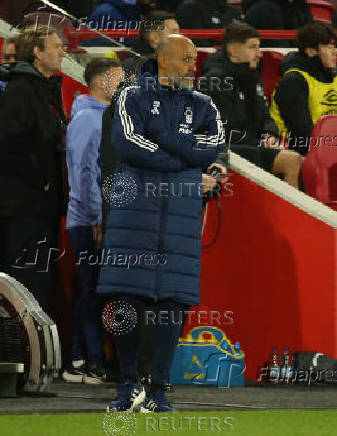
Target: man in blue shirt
{"points": [[84, 216]]}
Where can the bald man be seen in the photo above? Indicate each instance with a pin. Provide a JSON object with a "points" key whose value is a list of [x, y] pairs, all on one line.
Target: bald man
{"points": [[166, 137]]}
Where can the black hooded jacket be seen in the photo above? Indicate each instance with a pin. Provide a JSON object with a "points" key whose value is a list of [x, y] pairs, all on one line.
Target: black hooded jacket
{"points": [[291, 95], [31, 118], [295, 14], [240, 99], [205, 14]]}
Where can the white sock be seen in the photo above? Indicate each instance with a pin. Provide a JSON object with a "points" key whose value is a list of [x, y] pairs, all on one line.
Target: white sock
{"points": [[78, 363]]}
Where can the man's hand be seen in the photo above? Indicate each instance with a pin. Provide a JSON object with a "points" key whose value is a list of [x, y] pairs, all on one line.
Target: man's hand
{"points": [[97, 235], [271, 141], [223, 170], [208, 183]]}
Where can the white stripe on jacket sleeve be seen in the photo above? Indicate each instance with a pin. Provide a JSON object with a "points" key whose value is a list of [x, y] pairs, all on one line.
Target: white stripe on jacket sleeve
{"points": [[128, 127]]}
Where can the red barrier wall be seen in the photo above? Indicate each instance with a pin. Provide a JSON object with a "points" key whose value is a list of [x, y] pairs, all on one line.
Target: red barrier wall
{"points": [[274, 266], [70, 88]]}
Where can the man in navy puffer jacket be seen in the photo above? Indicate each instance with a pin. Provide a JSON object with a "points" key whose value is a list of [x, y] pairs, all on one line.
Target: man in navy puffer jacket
{"points": [[165, 135]]}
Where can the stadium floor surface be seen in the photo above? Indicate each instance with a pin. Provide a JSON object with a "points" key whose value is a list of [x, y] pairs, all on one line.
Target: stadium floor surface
{"points": [[62, 397]]}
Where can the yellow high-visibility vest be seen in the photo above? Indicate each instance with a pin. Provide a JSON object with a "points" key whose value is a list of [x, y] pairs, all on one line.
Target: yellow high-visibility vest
{"points": [[322, 100]]}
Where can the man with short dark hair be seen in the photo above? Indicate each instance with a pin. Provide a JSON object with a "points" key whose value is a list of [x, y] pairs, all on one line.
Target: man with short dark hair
{"points": [[154, 28], [84, 215], [31, 191], [251, 131], [308, 88]]}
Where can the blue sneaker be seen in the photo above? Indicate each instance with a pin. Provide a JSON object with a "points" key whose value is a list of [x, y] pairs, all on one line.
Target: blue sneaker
{"points": [[130, 396], [156, 402]]}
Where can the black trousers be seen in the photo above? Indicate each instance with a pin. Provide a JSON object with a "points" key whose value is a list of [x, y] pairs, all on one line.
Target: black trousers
{"points": [[166, 318], [29, 252]]}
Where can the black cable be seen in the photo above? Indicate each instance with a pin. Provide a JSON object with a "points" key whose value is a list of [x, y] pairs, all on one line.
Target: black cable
{"points": [[217, 232]]}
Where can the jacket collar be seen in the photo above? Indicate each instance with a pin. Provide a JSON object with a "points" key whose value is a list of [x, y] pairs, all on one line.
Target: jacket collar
{"points": [[311, 65], [9, 71]]}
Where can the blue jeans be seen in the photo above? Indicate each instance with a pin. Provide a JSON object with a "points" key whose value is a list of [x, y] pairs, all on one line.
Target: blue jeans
{"points": [[87, 338]]}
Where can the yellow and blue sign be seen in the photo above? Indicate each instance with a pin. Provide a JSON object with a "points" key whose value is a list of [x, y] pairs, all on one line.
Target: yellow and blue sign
{"points": [[207, 357]]}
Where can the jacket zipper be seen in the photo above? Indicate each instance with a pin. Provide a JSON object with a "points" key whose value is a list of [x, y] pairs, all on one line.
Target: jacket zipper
{"points": [[163, 210]]}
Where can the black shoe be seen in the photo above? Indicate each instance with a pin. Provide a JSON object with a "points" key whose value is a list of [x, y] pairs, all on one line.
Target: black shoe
{"points": [[95, 375], [75, 374]]}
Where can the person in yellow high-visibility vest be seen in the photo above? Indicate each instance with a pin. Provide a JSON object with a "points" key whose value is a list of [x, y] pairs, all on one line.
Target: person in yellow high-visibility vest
{"points": [[308, 88]]}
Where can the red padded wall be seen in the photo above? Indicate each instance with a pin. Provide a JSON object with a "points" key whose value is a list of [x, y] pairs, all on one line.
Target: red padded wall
{"points": [[274, 266]]}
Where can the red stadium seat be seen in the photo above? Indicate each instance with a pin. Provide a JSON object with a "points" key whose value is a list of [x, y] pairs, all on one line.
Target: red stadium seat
{"points": [[320, 166], [122, 54], [1, 44], [70, 88], [321, 10], [202, 55], [271, 71]]}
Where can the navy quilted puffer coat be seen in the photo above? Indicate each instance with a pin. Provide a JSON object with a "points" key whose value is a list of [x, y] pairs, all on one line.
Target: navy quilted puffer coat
{"points": [[163, 139]]}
